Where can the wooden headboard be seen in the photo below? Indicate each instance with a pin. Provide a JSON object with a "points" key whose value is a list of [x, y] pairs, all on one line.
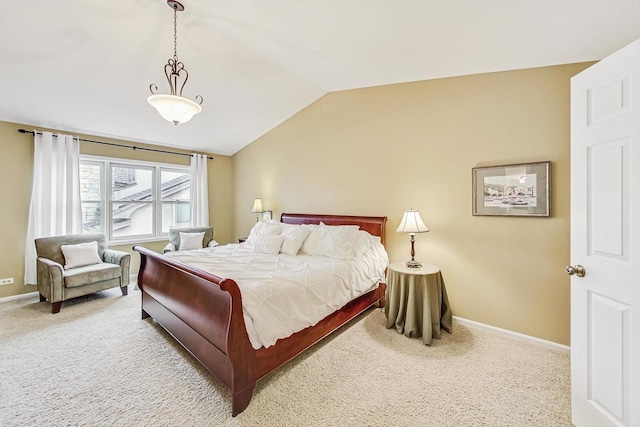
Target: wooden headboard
{"points": [[374, 225]]}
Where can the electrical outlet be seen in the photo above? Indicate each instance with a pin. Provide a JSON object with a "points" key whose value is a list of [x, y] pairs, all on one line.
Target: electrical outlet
{"points": [[7, 281]]}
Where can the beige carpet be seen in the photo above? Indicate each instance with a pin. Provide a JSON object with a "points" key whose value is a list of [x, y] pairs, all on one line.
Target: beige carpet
{"points": [[96, 363]]}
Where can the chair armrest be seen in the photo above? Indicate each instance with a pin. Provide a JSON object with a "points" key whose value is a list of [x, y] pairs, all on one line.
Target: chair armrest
{"points": [[169, 248], [50, 279], [121, 258], [51, 264]]}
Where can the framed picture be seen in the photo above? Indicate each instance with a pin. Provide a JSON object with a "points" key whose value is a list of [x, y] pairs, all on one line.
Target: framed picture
{"points": [[266, 216], [512, 190]]}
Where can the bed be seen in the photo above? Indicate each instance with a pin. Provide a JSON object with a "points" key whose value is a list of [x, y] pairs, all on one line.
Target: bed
{"points": [[204, 313]]}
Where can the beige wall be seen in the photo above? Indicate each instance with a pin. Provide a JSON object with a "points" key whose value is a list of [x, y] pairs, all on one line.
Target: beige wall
{"points": [[16, 164], [379, 151], [382, 150]]}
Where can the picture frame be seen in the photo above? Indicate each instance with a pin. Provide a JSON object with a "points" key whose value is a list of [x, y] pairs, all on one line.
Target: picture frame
{"points": [[521, 189], [266, 216]]}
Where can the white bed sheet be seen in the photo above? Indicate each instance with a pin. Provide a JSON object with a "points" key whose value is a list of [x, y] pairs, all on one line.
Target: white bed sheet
{"points": [[283, 294]]}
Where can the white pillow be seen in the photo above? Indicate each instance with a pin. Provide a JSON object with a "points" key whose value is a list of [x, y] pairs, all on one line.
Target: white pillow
{"points": [[343, 238], [318, 242], [268, 244], [294, 237], [189, 241], [80, 255], [361, 243], [255, 231], [272, 228], [331, 241]]}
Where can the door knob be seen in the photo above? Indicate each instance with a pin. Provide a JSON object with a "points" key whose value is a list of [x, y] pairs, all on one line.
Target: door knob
{"points": [[578, 270]]}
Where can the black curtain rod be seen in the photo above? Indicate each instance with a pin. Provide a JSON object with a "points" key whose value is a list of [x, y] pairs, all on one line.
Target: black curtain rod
{"points": [[133, 147]]}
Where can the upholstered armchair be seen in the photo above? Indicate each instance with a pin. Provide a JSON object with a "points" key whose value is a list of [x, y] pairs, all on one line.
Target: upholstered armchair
{"points": [[192, 239], [78, 264]]}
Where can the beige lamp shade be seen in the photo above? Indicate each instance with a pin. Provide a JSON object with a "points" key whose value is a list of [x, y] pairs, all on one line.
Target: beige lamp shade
{"points": [[257, 206], [412, 223]]}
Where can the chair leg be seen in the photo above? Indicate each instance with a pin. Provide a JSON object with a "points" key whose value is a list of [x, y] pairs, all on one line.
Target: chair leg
{"points": [[42, 298], [124, 289], [55, 307]]}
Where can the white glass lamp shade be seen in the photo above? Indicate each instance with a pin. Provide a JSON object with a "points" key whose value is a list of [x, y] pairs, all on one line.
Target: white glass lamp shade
{"points": [[175, 109], [412, 223], [257, 206]]}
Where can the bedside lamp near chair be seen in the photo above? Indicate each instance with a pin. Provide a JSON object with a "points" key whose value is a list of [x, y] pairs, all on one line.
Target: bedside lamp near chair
{"points": [[412, 223]]}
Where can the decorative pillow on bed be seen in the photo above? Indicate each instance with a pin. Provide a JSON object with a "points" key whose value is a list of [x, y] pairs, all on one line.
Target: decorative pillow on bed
{"points": [[189, 241], [80, 255], [361, 243], [255, 230], [331, 241], [271, 228], [268, 244], [294, 236], [343, 237], [317, 242]]}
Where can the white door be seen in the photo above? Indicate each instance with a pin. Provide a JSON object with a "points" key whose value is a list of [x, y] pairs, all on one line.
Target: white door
{"points": [[605, 239]]}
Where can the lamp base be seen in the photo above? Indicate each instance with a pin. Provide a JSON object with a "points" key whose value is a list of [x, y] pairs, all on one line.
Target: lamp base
{"points": [[414, 264]]}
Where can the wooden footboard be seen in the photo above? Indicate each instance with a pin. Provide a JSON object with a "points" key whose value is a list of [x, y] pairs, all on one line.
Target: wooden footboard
{"points": [[203, 312]]}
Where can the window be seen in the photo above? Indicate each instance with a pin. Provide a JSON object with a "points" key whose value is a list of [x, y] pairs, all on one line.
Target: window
{"points": [[91, 195], [176, 193], [133, 200]]}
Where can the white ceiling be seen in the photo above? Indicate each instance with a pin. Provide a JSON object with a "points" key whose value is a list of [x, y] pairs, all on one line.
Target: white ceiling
{"points": [[86, 66]]}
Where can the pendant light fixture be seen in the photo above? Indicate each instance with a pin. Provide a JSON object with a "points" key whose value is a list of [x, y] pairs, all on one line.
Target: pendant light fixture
{"points": [[174, 107]]}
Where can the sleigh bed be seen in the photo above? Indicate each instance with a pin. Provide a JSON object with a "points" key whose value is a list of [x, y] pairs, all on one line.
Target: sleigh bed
{"points": [[204, 313]]}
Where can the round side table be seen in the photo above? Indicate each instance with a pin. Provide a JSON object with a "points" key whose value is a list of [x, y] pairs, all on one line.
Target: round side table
{"points": [[416, 301]]}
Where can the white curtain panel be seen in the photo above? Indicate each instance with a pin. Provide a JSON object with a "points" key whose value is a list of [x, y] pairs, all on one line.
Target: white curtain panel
{"points": [[199, 191], [55, 197]]}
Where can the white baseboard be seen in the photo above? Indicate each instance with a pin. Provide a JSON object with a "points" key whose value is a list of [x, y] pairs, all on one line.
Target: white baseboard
{"points": [[20, 296], [512, 334]]}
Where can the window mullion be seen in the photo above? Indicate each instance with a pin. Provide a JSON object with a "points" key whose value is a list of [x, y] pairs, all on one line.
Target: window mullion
{"points": [[157, 198], [103, 197], [108, 220]]}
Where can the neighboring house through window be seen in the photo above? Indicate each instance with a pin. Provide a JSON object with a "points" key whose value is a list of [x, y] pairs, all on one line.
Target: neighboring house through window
{"points": [[129, 200]]}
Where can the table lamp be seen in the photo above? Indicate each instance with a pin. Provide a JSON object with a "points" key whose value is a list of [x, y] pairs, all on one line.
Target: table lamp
{"points": [[257, 208], [412, 223]]}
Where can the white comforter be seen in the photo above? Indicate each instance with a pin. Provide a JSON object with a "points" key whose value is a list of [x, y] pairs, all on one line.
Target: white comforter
{"points": [[283, 294]]}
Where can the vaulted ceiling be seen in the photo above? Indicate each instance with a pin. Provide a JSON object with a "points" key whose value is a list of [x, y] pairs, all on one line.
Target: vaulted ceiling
{"points": [[86, 66]]}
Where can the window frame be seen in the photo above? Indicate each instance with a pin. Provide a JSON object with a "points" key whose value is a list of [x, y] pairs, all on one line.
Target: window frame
{"points": [[106, 203]]}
